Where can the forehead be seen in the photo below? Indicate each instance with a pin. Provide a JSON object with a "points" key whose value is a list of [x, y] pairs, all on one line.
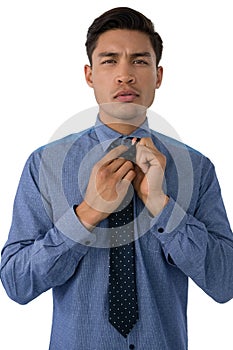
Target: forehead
{"points": [[118, 40]]}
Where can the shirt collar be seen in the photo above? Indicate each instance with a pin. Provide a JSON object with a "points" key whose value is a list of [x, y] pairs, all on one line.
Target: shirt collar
{"points": [[107, 135]]}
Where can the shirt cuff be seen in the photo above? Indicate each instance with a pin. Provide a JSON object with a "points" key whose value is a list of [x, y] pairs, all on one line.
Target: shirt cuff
{"points": [[70, 226], [166, 224]]}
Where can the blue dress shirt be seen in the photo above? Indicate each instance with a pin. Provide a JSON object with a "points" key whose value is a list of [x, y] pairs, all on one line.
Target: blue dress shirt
{"points": [[48, 247]]}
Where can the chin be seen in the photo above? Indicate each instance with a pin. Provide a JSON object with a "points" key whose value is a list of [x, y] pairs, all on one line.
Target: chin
{"points": [[123, 111]]}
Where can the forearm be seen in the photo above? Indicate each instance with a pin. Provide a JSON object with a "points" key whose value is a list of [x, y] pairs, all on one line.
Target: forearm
{"points": [[29, 268], [198, 251], [155, 204], [88, 216]]}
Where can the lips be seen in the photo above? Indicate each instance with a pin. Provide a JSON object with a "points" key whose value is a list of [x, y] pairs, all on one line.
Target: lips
{"points": [[126, 95]]}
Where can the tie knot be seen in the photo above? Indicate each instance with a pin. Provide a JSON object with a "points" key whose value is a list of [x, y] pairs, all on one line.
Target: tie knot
{"points": [[122, 140], [130, 154]]}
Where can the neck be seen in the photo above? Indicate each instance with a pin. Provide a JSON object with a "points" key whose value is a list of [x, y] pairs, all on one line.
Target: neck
{"points": [[124, 120], [124, 129]]}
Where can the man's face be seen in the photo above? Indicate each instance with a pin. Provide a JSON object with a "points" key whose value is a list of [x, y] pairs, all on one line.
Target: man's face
{"points": [[124, 69]]}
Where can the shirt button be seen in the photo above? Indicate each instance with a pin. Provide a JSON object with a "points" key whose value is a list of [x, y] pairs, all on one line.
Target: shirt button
{"points": [[160, 230], [132, 346], [87, 242]]}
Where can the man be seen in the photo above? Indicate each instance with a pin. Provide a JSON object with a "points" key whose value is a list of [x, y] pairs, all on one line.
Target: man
{"points": [[119, 283]]}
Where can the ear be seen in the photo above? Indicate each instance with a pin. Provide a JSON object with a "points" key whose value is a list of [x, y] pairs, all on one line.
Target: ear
{"points": [[159, 77], [88, 75]]}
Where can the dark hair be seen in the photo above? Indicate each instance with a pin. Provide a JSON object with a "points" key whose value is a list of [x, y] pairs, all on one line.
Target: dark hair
{"points": [[123, 18]]}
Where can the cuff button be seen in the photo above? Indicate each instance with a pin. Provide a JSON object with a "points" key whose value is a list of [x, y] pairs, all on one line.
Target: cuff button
{"points": [[160, 230]]}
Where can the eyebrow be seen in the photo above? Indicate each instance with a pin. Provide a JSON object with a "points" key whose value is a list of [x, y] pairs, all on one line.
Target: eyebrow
{"points": [[141, 54], [133, 55]]}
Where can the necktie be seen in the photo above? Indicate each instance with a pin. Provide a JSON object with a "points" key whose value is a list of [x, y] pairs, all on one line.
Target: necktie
{"points": [[123, 309]]}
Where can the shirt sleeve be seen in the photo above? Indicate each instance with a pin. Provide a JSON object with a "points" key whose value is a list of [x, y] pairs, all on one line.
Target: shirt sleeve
{"points": [[39, 254], [200, 243]]}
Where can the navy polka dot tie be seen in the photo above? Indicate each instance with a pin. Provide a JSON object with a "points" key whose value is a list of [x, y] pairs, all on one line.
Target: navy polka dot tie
{"points": [[123, 308]]}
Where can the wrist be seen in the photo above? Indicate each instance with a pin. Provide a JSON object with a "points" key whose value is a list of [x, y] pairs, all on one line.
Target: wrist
{"points": [[88, 216], [156, 203]]}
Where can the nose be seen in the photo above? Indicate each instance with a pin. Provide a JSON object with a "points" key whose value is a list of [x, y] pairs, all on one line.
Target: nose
{"points": [[125, 75], [125, 79]]}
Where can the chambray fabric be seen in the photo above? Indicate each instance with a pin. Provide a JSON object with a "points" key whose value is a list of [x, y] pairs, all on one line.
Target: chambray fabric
{"points": [[49, 248]]}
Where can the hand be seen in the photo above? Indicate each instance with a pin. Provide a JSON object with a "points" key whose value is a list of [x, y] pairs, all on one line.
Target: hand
{"points": [[148, 183], [108, 184]]}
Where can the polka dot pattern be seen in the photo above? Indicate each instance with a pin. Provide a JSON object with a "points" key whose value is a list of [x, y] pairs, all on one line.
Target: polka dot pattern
{"points": [[123, 310]]}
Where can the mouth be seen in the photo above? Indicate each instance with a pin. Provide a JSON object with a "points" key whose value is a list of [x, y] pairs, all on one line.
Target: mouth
{"points": [[126, 96]]}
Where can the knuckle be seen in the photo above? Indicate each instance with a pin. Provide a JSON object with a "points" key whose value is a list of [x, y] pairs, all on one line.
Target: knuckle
{"points": [[103, 173], [129, 164], [163, 160]]}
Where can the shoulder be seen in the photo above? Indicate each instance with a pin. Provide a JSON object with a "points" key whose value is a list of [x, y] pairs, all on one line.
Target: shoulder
{"points": [[179, 151], [55, 151], [66, 140]]}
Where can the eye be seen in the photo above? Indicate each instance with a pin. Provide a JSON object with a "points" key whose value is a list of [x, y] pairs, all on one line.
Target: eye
{"points": [[109, 61], [140, 62]]}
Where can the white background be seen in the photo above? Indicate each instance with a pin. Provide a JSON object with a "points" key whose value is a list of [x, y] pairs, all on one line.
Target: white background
{"points": [[42, 85]]}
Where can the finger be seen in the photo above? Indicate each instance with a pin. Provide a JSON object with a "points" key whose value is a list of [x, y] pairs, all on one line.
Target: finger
{"points": [[115, 164], [139, 175], [124, 184], [113, 154], [147, 142], [125, 168], [143, 157], [130, 176]]}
